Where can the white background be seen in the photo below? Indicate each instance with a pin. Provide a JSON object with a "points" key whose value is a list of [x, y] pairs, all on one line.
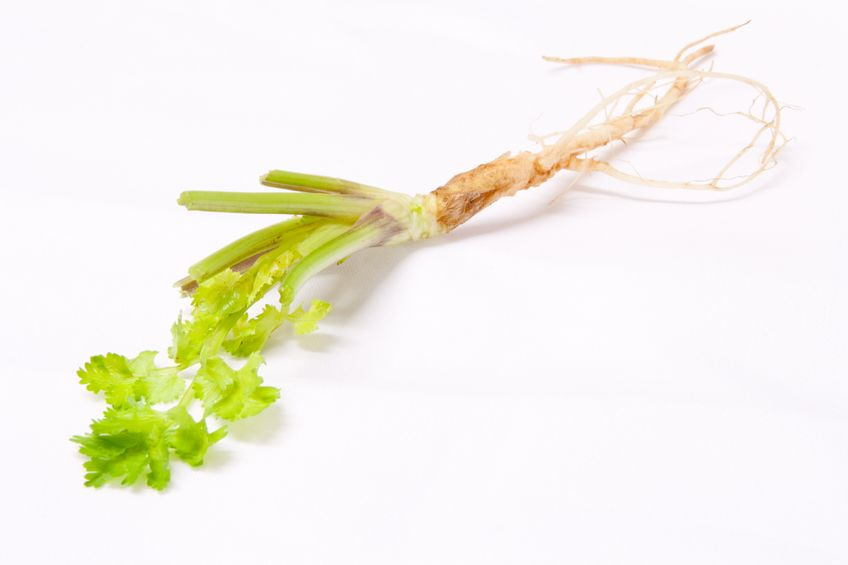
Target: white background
{"points": [[604, 379]]}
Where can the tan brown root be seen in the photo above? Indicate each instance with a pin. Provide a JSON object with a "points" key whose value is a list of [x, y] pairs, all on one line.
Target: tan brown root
{"points": [[467, 193]]}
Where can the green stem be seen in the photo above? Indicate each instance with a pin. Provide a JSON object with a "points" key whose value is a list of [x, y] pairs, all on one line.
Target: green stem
{"points": [[373, 231], [325, 205], [250, 245], [315, 183]]}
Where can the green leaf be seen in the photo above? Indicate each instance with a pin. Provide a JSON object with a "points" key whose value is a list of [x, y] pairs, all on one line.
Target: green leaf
{"points": [[268, 271], [109, 374], [217, 303], [306, 321], [122, 380], [233, 394], [191, 439], [125, 443], [250, 334], [153, 383], [136, 439]]}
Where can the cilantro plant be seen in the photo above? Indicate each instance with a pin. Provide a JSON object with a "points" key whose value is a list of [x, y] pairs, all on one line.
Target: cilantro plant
{"points": [[215, 354]]}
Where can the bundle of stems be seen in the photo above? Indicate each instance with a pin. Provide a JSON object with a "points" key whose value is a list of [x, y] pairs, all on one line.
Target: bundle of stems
{"points": [[150, 419]]}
